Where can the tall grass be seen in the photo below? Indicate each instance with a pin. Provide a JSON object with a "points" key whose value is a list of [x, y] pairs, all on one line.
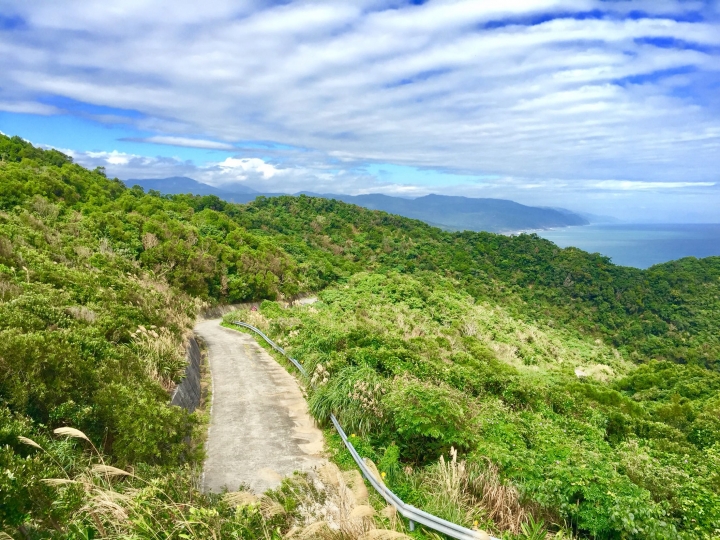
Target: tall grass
{"points": [[473, 495], [354, 396], [103, 501], [162, 354]]}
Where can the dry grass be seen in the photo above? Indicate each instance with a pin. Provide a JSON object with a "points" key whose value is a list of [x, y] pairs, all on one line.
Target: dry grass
{"points": [[83, 252], [105, 247], [108, 470], [501, 502], [129, 512], [531, 347], [30, 442], [255, 318], [8, 290], [450, 496], [383, 534], [162, 353], [82, 313], [355, 482], [468, 494], [149, 241], [240, 498], [44, 208], [338, 509]]}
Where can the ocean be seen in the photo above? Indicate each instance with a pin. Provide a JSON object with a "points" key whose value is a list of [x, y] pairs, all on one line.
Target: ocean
{"points": [[641, 245]]}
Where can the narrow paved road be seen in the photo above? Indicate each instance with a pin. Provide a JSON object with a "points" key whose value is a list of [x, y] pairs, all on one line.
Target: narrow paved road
{"points": [[260, 429]]}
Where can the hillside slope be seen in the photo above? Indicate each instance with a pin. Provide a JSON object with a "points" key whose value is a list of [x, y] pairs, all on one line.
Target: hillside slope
{"points": [[588, 390]]}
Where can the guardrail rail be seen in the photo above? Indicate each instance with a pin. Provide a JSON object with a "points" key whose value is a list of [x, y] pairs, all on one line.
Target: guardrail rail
{"points": [[412, 514]]}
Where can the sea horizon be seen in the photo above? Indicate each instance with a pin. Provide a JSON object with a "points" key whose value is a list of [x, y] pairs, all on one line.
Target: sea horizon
{"points": [[639, 245]]}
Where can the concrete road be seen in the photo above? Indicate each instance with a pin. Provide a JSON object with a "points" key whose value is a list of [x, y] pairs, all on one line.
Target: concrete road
{"points": [[260, 429]]}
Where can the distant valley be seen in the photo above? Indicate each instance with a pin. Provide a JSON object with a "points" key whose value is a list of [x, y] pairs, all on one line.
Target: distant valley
{"points": [[447, 212]]}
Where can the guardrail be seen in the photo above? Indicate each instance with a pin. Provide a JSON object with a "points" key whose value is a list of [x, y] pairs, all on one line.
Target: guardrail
{"points": [[412, 514]]}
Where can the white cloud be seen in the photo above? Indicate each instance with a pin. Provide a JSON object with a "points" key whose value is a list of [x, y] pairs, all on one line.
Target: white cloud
{"points": [[626, 185], [30, 107], [248, 165], [187, 142], [626, 199], [434, 85], [111, 158]]}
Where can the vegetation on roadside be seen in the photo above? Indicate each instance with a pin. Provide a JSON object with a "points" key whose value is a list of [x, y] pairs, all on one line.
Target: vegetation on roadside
{"points": [[581, 397], [417, 369]]}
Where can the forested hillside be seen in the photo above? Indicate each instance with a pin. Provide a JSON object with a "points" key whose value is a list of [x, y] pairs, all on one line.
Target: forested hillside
{"points": [[588, 390]]}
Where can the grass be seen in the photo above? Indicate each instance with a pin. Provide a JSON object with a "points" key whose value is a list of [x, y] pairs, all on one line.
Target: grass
{"points": [[162, 354]]}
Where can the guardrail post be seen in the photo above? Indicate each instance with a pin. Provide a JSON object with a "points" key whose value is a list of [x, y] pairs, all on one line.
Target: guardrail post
{"points": [[412, 525]]}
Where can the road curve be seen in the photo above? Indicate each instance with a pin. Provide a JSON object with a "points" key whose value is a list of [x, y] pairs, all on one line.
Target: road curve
{"points": [[260, 429]]}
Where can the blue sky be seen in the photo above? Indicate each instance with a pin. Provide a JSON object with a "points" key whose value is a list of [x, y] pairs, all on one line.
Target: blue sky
{"points": [[609, 107]]}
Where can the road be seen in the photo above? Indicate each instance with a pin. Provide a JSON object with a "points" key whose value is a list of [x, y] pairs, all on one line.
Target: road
{"points": [[260, 429]]}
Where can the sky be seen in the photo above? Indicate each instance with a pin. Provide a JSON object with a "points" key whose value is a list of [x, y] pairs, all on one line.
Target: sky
{"points": [[610, 107]]}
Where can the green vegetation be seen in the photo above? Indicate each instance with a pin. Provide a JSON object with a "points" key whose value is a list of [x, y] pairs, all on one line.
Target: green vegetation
{"points": [[579, 394], [418, 366]]}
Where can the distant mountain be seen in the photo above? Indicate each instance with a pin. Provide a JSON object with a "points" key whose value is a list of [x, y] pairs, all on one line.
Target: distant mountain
{"points": [[596, 219], [593, 219], [452, 213], [465, 213], [182, 184]]}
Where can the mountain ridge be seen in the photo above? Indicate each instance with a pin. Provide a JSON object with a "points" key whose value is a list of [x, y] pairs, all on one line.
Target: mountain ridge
{"points": [[177, 185], [455, 213], [468, 213]]}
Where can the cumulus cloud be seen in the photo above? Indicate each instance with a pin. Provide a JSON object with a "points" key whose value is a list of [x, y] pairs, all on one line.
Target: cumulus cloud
{"points": [[543, 94], [126, 166], [249, 171], [111, 158], [231, 167]]}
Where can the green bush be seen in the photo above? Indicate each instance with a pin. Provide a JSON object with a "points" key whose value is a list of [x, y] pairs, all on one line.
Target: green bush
{"points": [[428, 419]]}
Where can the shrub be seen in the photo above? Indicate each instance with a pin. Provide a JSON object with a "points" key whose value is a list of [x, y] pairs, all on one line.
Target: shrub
{"points": [[428, 419]]}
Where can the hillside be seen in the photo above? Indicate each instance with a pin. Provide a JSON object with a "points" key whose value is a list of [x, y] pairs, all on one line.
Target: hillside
{"points": [[585, 393], [451, 213]]}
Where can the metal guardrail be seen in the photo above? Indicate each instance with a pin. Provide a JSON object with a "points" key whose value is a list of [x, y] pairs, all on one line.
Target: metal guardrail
{"points": [[274, 345], [414, 515]]}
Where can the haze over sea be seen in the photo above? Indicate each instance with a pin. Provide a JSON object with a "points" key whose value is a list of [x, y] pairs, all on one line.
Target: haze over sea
{"points": [[641, 245]]}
